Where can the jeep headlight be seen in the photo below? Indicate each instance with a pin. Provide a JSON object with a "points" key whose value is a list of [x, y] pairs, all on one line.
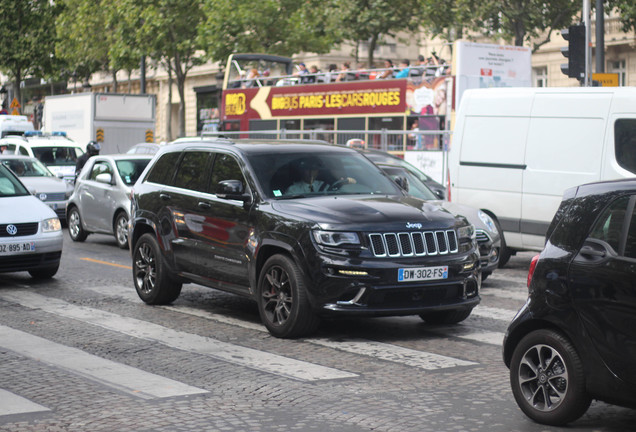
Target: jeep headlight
{"points": [[335, 238], [467, 231], [487, 220], [51, 225]]}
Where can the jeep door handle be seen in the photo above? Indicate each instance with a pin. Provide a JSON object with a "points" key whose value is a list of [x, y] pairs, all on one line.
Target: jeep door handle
{"points": [[165, 196], [204, 205], [588, 251]]}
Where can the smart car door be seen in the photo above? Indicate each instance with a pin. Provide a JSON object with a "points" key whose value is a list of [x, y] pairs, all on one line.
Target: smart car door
{"points": [[602, 279], [95, 197]]}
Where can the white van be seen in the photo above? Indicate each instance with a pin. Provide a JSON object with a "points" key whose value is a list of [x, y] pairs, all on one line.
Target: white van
{"points": [[14, 125], [516, 150]]}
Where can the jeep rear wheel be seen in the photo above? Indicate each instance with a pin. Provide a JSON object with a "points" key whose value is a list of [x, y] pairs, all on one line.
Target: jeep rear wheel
{"points": [[153, 282], [282, 299]]}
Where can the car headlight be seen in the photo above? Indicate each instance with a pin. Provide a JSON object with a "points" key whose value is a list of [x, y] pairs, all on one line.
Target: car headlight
{"points": [[50, 225], [487, 220], [336, 238], [467, 231]]}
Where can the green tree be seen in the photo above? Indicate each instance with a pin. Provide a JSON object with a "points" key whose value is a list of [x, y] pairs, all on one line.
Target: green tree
{"points": [[370, 20], [282, 27], [521, 21], [82, 41], [627, 11], [28, 41], [166, 31]]}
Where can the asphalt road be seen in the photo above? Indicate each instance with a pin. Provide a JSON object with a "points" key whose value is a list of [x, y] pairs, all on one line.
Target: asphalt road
{"points": [[81, 352]]}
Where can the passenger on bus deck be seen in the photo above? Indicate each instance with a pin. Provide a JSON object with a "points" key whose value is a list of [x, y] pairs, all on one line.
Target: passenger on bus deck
{"points": [[388, 70], [404, 64]]}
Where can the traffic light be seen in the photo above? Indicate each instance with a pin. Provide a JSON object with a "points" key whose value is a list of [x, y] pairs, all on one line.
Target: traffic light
{"points": [[575, 52]]}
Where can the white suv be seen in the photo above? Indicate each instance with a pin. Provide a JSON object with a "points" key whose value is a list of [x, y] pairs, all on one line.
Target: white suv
{"points": [[55, 150]]}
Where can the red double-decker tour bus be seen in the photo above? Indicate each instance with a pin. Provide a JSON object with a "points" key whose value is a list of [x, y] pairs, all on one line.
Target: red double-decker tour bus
{"points": [[266, 95]]}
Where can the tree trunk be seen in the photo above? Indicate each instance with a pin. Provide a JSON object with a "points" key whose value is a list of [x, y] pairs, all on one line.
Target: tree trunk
{"points": [[169, 110], [114, 73], [181, 77], [372, 43]]}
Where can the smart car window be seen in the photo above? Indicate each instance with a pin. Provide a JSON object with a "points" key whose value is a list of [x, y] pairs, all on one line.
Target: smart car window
{"points": [[100, 168], [192, 172], [130, 170], [162, 172], [609, 225], [625, 143], [225, 168]]}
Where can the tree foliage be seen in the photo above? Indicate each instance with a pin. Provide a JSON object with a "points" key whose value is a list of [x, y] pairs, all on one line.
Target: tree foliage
{"points": [[82, 37], [283, 27], [371, 20], [627, 12], [28, 39]]}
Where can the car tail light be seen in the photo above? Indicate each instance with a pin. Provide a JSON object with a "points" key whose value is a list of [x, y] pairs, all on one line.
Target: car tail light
{"points": [[533, 265]]}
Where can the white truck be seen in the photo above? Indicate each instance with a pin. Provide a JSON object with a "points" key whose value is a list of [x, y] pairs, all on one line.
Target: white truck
{"points": [[116, 121], [516, 150]]}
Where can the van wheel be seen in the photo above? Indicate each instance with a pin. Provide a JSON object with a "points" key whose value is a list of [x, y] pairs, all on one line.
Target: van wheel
{"points": [[121, 230], [75, 229], [504, 252], [547, 378], [446, 317], [282, 299], [153, 282]]}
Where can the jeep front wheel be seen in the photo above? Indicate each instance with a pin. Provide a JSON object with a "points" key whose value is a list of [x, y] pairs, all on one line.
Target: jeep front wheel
{"points": [[153, 282], [282, 299]]}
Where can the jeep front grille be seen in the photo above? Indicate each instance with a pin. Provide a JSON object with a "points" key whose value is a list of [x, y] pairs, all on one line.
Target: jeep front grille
{"points": [[408, 244]]}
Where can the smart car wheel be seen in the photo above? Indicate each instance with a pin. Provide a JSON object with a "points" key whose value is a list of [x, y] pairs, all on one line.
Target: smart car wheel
{"points": [[75, 229], [121, 230], [153, 283], [547, 378], [282, 299], [446, 317]]}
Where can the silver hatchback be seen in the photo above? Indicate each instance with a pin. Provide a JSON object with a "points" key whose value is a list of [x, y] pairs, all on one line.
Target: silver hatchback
{"points": [[101, 200]]}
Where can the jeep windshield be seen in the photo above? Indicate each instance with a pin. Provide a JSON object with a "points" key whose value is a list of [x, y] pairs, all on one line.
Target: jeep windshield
{"points": [[306, 174]]}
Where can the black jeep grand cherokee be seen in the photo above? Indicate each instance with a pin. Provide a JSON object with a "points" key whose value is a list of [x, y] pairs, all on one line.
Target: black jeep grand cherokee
{"points": [[306, 230]]}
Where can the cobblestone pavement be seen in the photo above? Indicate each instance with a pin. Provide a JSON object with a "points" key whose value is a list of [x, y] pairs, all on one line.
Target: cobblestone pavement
{"points": [[83, 353]]}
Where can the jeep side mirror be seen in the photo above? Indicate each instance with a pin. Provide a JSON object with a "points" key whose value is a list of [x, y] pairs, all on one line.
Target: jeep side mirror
{"points": [[233, 190]]}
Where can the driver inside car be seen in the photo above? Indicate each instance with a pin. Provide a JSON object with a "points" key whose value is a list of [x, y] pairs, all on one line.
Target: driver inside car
{"points": [[305, 179]]}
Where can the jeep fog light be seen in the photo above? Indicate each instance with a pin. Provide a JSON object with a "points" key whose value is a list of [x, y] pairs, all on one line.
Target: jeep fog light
{"points": [[353, 273], [469, 266]]}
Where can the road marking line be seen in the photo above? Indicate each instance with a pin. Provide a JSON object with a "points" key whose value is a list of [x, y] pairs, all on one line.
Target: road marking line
{"points": [[465, 332], [106, 263], [384, 351], [248, 357], [394, 353], [494, 313], [125, 378], [14, 404], [506, 294]]}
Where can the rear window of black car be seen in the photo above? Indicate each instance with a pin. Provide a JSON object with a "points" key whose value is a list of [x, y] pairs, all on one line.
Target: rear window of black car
{"points": [[162, 172]]}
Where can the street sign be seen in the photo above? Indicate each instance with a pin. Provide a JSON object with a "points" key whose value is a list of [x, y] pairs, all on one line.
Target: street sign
{"points": [[606, 79], [15, 103], [150, 136], [99, 135]]}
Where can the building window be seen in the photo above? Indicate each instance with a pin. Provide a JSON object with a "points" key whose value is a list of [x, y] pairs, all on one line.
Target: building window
{"points": [[618, 67], [540, 76]]}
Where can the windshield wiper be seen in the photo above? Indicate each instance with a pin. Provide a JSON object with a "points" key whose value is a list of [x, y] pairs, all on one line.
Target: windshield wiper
{"points": [[285, 197]]}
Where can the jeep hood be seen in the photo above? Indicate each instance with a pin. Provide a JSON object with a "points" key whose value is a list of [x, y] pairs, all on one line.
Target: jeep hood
{"points": [[366, 212]]}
